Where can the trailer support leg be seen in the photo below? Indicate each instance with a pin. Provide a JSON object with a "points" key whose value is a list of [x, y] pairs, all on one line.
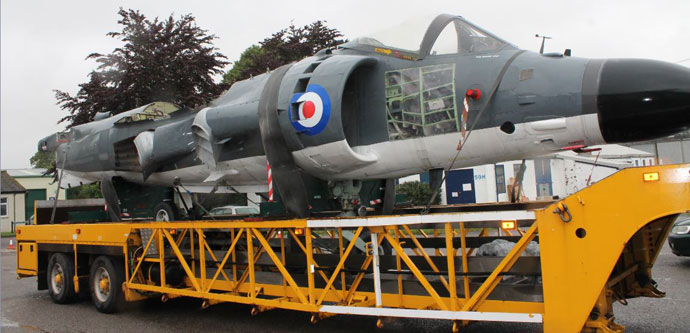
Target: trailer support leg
{"points": [[377, 273]]}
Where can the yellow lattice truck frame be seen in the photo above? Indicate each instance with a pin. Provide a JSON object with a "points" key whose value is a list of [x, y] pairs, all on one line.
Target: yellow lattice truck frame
{"points": [[594, 247]]}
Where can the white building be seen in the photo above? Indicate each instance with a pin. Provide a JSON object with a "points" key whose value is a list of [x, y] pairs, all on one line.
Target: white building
{"points": [[38, 187], [557, 175], [669, 150], [12, 197]]}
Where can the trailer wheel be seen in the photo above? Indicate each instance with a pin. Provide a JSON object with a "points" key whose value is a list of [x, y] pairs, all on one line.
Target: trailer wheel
{"points": [[105, 284], [61, 278], [165, 212]]}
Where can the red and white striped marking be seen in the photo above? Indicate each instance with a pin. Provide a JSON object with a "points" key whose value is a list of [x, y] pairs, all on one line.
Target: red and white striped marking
{"points": [[463, 125], [375, 201], [270, 182], [474, 94]]}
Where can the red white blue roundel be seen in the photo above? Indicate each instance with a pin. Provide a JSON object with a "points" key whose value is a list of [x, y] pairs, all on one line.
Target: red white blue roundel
{"points": [[309, 111]]}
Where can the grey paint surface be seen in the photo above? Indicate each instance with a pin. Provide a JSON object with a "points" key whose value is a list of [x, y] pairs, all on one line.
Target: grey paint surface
{"points": [[226, 133], [232, 118]]}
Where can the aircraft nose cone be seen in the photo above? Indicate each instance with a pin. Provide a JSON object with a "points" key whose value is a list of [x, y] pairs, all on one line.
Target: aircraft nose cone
{"points": [[642, 99]]}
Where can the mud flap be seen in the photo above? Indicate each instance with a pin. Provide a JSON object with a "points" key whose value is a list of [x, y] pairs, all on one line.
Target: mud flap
{"points": [[111, 200]]}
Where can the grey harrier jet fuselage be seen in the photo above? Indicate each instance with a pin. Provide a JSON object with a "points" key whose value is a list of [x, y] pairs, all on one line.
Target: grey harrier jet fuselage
{"points": [[371, 111]]}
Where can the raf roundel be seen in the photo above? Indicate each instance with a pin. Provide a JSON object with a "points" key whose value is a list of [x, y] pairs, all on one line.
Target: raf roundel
{"points": [[310, 111]]}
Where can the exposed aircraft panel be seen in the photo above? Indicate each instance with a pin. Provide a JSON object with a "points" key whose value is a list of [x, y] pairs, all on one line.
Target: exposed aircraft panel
{"points": [[421, 101]]}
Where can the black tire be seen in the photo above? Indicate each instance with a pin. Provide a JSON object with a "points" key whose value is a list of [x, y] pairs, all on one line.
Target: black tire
{"points": [[165, 209], [60, 277], [107, 296]]}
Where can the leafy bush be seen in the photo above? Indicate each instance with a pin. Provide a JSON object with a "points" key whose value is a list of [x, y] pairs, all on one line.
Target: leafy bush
{"points": [[418, 193]]}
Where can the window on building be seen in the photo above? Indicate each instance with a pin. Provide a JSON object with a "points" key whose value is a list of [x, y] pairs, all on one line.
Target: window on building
{"points": [[3, 207], [516, 169], [500, 179]]}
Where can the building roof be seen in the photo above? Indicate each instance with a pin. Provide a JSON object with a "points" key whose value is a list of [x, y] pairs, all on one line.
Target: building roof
{"points": [[614, 156], [9, 184], [611, 152], [618, 151], [27, 173], [675, 137]]}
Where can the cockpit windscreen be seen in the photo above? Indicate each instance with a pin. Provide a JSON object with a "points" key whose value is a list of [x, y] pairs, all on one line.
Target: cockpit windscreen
{"points": [[458, 37]]}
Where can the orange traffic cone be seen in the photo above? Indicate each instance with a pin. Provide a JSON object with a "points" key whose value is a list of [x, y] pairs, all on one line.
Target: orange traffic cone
{"points": [[11, 246]]}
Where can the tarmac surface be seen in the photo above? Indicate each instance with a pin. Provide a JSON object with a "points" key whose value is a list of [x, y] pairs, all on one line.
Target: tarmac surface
{"points": [[25, 309]]}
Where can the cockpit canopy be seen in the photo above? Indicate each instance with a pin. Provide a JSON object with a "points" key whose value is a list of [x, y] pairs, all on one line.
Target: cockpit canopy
{"points": [[447, 34], [153, 111]]}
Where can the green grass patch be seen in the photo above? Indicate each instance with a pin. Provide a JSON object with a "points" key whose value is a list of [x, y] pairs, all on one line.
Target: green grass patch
{"points": [[7, 234]]}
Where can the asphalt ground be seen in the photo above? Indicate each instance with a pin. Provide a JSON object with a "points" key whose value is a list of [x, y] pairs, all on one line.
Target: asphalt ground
{"points": [[25, 309]]}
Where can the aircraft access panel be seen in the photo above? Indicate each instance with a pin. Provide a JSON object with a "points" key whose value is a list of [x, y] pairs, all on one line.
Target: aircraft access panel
{"points": [[421, 101]]}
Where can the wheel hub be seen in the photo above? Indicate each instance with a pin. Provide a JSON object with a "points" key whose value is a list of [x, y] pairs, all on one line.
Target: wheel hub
{"points": [[104, 284], [162, 215], [101, 284], [57, 282]]}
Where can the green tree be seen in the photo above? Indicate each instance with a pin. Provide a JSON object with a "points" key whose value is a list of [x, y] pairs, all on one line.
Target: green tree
{"points": [[285, 46], [88, 191], [171, 60], [245, 66], [42, 159], [418, 193]]}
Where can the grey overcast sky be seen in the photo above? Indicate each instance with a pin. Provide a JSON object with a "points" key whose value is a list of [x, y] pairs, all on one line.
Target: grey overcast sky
{"points": [[44, 43]]}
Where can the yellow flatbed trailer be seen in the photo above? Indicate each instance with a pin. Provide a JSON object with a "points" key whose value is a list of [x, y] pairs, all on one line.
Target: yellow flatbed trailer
{"points": [[595, 247]]}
